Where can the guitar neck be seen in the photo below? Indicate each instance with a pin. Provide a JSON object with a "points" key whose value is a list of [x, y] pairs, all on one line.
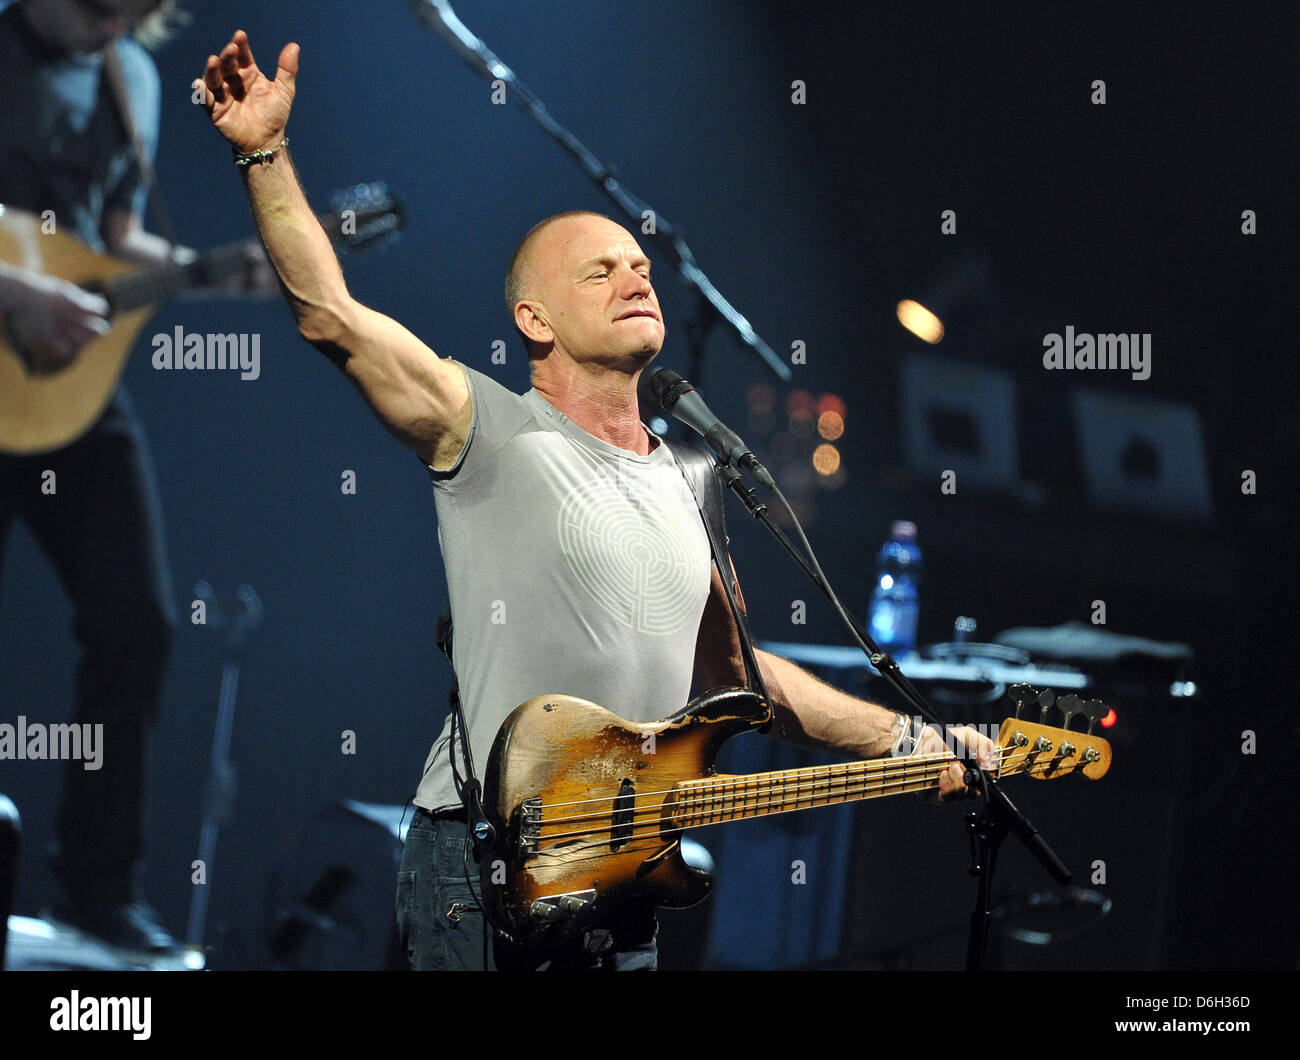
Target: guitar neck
{"points": [[158, 283], [720, 799], [154, 284], [1023, 747]]}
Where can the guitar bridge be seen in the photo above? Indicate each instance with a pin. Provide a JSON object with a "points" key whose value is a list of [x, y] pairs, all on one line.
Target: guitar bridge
{"points": [[530, 827]]}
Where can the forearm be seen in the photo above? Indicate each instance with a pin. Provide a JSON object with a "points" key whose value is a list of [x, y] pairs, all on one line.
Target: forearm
{"points": [[421, 399], [300, 252], [811, 713]]}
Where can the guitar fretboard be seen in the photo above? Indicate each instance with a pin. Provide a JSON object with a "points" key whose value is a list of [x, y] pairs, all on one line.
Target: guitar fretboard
{"points": [[713, 801], [158, 283]]}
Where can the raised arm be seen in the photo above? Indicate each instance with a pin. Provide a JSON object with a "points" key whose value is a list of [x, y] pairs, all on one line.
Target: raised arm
{"points": [[420, 398]]}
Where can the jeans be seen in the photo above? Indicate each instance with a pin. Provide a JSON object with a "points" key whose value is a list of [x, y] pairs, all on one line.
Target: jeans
{"points": [[441, 928], [102, 528]]}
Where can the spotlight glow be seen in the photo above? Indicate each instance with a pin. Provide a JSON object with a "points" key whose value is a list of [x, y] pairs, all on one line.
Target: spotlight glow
{"points": [[826, 459], [830, 425], [920, 321]]}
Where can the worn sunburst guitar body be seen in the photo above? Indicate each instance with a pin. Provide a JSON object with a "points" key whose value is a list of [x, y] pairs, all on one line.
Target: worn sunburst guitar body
{"points": [[39, 413], [588, 809]]}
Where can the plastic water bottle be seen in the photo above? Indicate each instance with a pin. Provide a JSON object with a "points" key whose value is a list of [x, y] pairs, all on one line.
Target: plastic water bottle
{"points": [[895, 603]]}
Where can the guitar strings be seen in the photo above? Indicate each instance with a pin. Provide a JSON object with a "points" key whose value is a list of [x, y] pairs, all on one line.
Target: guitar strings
{"points": [[699, 806], [898, 766], [898, 783], [878, 766], [706, 788], [594, 851], [156, 283], [696, 799]]}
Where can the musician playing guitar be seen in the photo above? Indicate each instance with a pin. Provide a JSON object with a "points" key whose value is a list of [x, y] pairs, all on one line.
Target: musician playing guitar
{"points": [[65, 148], [575, 560]]}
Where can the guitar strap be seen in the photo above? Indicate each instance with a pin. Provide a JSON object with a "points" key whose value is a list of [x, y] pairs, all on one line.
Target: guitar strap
{"points": [[700, 472], [116, 79]]}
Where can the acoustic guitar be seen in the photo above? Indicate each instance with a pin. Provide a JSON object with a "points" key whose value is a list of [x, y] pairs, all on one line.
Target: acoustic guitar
{"points": [[43, 412], [588, 809]]}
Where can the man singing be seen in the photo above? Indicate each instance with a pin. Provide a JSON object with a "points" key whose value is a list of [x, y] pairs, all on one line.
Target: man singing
{"points": [[535, 495]]}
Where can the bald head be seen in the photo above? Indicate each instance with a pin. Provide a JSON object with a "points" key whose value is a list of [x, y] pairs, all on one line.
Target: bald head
{"points": [[580, 283], [521, 273]]}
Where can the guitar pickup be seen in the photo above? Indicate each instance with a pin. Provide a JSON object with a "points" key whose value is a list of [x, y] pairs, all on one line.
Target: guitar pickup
{"points": [[530, 827], [620, 831]]}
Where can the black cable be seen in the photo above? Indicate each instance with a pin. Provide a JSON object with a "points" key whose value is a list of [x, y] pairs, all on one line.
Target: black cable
{"points": [[881, 660]]}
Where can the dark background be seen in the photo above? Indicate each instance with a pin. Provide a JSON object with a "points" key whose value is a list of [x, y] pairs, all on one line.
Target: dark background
{"points": [[814, 220]]}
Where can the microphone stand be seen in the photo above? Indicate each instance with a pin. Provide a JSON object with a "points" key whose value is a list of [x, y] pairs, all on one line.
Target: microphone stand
{"points": [[999, 816], [439, 17], [236, 624]]}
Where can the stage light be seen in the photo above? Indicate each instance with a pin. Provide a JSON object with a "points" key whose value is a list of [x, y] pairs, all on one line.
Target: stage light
{"points": [[801, 401], [830, 425], [1109, 719], [826, 459], [963, 284], [801, 423], [920, 321]]}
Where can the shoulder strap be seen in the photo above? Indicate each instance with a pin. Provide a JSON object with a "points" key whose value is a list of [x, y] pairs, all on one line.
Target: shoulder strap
{"points": [[471, 790], [701, 474], [116, 78], [699, 470]]}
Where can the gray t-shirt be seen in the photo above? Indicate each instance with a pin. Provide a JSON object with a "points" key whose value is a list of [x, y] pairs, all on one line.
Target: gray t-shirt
{"points": [[573, 567]]}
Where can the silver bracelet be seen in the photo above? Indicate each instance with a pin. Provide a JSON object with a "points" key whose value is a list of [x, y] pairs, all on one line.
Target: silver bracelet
{"points": [[263, 155], [908, 738]]}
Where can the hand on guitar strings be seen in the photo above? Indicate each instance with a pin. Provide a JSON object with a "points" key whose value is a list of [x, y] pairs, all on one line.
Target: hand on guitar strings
{"points": [[952, 784], [55, 320]]}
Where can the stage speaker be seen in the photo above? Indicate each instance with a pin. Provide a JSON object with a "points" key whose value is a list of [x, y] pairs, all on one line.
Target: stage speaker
{"points": [[332, 904]]}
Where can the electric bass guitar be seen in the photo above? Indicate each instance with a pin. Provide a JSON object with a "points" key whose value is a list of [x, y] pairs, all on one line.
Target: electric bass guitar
{"points": [[588, 809], [43, 412]]}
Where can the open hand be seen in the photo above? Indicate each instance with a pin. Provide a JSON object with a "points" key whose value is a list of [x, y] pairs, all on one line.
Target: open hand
{"points": [[247, 108]]}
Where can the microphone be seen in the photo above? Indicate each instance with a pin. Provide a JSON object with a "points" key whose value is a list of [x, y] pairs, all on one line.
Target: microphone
{"points": [[677, 396], [439, 17]]}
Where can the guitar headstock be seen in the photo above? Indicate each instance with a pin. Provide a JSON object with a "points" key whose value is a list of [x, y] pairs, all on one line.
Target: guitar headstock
{"points": [[363, 214], [1048, 752], [1030, 745]]}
